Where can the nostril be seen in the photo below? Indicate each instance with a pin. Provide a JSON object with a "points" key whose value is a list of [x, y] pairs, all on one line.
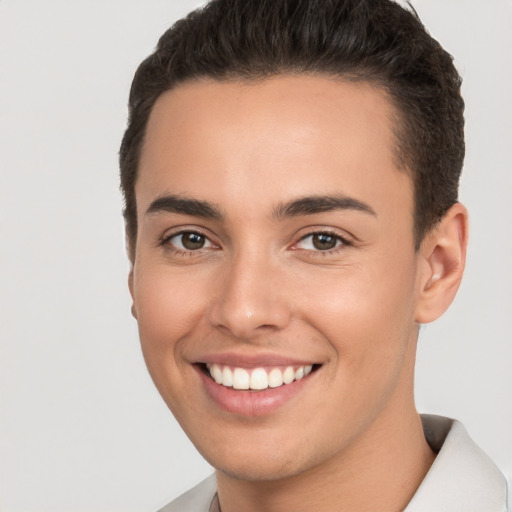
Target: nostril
{"points": [[248, 301]]}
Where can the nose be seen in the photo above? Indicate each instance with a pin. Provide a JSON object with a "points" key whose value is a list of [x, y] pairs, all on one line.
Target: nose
{"points": [[251, 298]]}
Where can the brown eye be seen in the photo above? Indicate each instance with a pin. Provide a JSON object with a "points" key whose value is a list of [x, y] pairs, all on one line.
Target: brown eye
{"points": [[321, 241], [192, 241], [324, 241], [189, 241]]}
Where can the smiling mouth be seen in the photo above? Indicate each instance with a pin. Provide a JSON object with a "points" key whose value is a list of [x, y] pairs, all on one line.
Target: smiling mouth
{"points": [[256, 379]]}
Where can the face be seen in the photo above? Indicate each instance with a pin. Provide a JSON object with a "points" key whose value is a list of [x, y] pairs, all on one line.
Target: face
{"points": [[275, 277]]}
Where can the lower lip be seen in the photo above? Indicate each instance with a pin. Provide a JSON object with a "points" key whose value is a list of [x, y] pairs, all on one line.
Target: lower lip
{"points": [[251, 403]]}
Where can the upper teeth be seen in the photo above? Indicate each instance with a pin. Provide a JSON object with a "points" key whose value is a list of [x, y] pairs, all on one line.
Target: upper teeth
{"points": [[258, 378]]}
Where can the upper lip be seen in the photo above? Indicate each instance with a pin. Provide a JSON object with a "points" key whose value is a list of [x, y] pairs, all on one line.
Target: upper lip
{"points": [[254, 360]]}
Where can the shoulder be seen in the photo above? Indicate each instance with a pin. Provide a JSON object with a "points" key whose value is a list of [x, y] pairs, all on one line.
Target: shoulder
{"points": [[462, 476], [197, 499]]}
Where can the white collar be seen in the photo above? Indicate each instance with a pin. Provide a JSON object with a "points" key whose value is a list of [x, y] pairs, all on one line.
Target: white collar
{"points": [[462, 476]]}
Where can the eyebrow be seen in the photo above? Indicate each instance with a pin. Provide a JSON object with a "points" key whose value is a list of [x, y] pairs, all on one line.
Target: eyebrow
{"points": [[185, 206], [319, 204], [295, 208]]}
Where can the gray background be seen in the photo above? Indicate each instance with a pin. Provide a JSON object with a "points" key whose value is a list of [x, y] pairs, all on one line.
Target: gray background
{"points": [[81, 427]]}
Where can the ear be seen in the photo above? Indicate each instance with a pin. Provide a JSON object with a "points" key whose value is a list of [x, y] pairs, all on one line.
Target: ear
{"points": [[131, 255], [442, 261], [131, 288]]}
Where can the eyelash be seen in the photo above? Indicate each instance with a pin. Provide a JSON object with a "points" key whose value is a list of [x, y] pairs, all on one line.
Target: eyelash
{"points": [[341, 243], [166, 242]]}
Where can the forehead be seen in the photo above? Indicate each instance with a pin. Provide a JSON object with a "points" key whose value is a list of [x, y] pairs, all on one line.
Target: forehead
{"points": [[277, 138]]}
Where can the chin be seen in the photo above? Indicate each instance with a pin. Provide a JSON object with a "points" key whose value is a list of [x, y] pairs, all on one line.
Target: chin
{"points": [[262, 463], [259, 472]]}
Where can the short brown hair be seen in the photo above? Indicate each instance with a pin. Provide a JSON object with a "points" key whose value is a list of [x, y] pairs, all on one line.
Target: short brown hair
{"points": [[376, 41]]}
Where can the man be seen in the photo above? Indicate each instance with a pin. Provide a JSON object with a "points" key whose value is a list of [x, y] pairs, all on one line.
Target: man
{"points": [[290, 171]]}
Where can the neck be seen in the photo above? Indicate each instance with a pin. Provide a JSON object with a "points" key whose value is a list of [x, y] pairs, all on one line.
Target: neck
{"points": [[381, 471]]}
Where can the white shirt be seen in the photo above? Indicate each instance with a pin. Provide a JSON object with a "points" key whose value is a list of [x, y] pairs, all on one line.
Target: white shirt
{"points": [[461, 479]]}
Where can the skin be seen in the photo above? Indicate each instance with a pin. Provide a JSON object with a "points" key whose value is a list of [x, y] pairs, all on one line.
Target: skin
{"points": [[259, 285]]}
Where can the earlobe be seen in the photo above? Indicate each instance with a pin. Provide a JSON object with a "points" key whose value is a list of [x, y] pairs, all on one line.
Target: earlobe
{"points": [[443, 258]]}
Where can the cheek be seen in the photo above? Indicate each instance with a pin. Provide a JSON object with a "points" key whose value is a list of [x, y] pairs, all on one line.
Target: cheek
{"points": [[166, 306], [365, 312], [369, 326]]}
